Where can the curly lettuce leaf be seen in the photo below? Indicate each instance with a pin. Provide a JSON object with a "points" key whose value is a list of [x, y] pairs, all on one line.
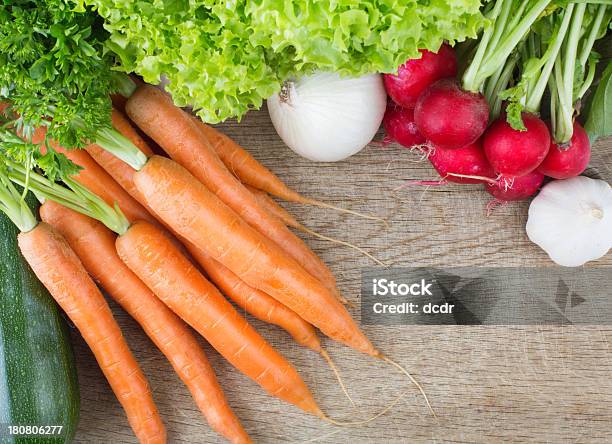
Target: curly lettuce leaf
{"points": [[225, 57]]}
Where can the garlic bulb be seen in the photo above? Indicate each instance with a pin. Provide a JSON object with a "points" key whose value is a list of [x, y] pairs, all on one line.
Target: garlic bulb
{"points": [[325, 117], [571, 220]]}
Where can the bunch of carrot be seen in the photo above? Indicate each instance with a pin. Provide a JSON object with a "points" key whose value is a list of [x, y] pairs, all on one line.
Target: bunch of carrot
{"points": [[184, 221]]}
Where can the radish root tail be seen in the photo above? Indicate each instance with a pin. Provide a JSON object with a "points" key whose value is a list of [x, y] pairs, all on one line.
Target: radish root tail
{"points": [[414, 381], [493, 204], [427, 183], [339, 242], [318, 203], [426, 150], [331, 364], [492, 181]]}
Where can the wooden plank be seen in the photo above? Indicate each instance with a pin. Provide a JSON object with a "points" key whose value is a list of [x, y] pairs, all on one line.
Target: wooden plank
{"points": [[487, 384]]}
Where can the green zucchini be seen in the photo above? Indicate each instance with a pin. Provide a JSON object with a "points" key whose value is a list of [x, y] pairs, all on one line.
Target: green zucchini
{"points": [[38, 381]]}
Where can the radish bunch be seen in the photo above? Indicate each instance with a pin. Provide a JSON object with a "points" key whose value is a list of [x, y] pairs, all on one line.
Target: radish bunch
{"points": [[487, 127]]}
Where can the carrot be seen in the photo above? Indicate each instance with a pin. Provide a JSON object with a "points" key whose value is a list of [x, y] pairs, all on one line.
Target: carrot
{"points": [[94, 244], [256, 302], [203, 219], [118, 101], [175, 131], [273, 208], [251, 172], [93, 177], [170, 275], [253, 301], [60, 270], [115, 167], [279, 212], [263, 307]]}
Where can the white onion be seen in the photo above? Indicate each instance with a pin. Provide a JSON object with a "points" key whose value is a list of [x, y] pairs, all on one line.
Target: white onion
{"points": [[326, 118]]}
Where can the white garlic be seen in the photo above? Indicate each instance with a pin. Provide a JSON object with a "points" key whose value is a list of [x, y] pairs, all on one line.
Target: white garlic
{"points": [[571, 220]]}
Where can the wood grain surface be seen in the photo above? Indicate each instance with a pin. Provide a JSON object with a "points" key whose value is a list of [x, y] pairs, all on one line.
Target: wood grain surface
{"points": [[487, 384]]}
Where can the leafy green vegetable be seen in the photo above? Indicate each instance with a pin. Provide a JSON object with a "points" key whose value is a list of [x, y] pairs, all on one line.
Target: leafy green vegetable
{"points": [[224, 58], [509, 22], [599, 115], [55, 72], [574, 67], [52, 65]]}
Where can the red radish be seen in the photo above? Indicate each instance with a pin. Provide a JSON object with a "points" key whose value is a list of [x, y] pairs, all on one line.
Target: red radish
{"points": [[520, 188], [568, 160], [400, 127], [450, 117], [415, 75], [467, 161], [515, 153]]}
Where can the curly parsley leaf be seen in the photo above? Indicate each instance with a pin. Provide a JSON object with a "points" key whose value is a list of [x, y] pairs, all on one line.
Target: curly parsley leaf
{"points": [[54, 71]]}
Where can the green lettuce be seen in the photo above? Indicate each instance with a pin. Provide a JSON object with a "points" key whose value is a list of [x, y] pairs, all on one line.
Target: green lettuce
{"points": [[225, 57]]}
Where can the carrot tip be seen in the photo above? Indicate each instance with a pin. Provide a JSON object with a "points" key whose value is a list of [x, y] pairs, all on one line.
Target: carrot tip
{"points": [[318, 203], [414, 381], [340, 242], [368, 420], [331, 364]]}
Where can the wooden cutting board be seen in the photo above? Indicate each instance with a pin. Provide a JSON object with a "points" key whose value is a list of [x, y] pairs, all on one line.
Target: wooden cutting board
{"points": [[487, 384]]}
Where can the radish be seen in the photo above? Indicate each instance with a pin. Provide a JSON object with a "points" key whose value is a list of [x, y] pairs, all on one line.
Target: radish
{"points": [[453, 116], [466, 161], [415, 75], [515, 153], [400, 127], [450, 117], [521, 187], [569, 159]]}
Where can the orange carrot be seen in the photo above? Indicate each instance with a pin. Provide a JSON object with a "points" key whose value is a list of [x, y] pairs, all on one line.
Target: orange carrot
{"points": [[115, 167], [94, 244], [170, 275], [118, 101], [256, 302], [263, 307], [253, 301], [273, 208], [279, 212], [251, 172], [203, 219], [60, 270], [176, 132], [93, 177]]}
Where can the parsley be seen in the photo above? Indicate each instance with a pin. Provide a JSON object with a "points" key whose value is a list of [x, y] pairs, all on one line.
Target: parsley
{"points": [[53, 72]]}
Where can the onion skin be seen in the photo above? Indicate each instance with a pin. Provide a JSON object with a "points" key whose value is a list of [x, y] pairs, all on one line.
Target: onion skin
{"points": [[327, 118]]}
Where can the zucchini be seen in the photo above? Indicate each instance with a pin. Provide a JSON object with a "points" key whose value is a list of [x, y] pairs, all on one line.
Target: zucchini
{"points": [[38, 381]]}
